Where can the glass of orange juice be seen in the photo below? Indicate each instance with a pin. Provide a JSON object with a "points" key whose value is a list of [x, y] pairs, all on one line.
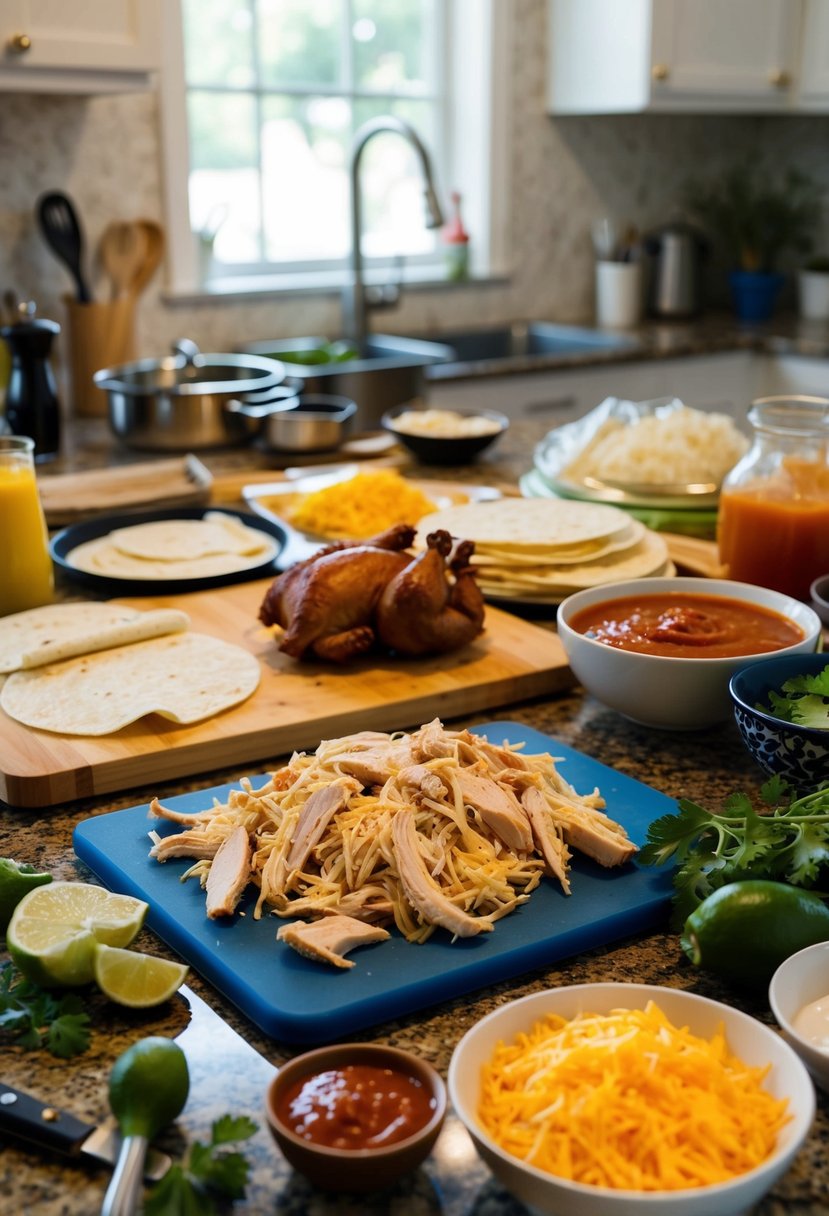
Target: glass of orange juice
{"points": [[26, 573]]}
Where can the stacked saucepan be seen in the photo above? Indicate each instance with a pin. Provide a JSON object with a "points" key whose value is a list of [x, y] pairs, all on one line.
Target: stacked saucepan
{"points": [[189, 400]]}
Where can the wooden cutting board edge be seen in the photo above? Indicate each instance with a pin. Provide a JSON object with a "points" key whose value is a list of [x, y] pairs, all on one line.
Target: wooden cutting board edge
{"points": [[262, 747], [55, 768]]}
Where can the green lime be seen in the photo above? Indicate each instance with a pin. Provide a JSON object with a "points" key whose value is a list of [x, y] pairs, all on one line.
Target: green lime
{"points": [[136, 980], [54, 931], [745, 930], [148, 1086], [16, 880]]}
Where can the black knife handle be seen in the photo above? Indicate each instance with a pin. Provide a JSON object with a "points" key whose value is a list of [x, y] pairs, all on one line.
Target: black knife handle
{"points": [[30, 1119]]}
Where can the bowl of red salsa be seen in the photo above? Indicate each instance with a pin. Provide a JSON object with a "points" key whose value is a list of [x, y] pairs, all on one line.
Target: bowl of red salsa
{"points": [[355, 1117], [661, 651]]}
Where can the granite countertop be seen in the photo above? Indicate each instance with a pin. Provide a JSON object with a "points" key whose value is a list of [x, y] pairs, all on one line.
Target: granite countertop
{"points": [[229, 1075], [231, 1060]]}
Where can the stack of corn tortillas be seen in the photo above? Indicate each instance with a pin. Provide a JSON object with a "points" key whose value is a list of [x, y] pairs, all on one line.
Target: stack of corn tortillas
{"points": [[546, 549], [92, 668], [175, 549]]}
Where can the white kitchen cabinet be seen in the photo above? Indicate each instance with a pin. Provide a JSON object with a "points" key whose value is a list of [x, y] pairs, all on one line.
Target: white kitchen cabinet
{"points": [[784, 374], [813, 85], [79, 46], [622, 56], [726, 382]]}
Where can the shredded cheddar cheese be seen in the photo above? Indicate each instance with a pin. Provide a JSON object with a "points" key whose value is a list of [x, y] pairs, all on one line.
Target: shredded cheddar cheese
{"points": [[629, 1101], [361, 506]]}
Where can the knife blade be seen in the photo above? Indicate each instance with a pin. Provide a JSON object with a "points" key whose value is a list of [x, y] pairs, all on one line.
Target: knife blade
{"points": [[28, 1119]]}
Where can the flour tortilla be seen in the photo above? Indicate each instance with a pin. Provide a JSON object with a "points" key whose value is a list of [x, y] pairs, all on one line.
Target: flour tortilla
{"points": [[528, 525], [175, 549], [176, 540], [62, 631], [643, 560], [184, 677], [577, 555]]}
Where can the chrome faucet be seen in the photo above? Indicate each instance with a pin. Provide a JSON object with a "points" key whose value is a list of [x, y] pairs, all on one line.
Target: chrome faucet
{"points": [[356, 298]]}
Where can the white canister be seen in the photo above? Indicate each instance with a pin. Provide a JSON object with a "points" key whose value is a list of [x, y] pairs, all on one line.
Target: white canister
{"points": [[618, 294], [814, 294]]}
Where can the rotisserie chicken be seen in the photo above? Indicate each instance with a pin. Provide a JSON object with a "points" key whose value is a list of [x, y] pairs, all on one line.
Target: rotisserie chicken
{"points": [[349, 596]]}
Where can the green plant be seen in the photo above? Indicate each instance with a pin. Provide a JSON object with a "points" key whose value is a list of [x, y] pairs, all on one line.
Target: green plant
{"points": [[758, 213]]}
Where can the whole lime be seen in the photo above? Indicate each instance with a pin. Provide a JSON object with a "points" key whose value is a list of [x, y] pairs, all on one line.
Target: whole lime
{"points": [[745, 930], [16, 880], [148, 1086]]}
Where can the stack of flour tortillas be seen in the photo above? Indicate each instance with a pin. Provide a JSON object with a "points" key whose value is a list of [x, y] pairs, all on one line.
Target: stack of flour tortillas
{"points": [[175, 549], [546, 549], [92, 668]]}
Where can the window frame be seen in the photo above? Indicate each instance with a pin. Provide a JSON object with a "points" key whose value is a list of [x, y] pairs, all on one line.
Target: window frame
{"points": [[478, 32]]}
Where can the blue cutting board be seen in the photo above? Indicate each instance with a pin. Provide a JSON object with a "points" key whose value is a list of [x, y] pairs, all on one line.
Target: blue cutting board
{"points": [[299, 1001]]}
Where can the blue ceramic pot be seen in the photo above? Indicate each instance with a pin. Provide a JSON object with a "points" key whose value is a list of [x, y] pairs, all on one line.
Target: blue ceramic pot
{"points": [[754, 293]]}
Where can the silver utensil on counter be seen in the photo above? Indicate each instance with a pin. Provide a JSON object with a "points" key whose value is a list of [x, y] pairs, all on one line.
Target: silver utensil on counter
{"points": [[61, 230]]}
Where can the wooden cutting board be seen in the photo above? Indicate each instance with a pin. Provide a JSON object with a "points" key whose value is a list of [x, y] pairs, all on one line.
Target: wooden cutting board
{"points": [[295, 706], [68, 498]]}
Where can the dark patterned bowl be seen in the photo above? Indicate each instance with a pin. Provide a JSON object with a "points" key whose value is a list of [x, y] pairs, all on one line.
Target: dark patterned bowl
{"points": [[798, 753]]}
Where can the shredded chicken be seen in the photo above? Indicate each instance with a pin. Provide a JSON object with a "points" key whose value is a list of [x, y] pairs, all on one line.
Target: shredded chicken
{"points": [[229, 874], [329, 939], [437, 829]]}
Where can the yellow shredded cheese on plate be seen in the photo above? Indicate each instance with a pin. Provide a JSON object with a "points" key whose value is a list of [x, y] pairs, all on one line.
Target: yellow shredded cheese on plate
{"points": [[363, 505], [627, 1100]]}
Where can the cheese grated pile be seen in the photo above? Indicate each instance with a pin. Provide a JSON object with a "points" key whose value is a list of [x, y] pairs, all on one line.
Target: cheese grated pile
{"points": [[361, 506], [629, 1101]]}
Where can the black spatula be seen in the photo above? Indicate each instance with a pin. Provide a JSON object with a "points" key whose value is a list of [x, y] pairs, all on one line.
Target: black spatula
{"points": [[61, 229]]}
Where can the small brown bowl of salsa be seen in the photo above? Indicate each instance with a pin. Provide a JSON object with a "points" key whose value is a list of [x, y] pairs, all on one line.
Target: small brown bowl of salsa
{"points": [[661, 651], [355, 1117]]}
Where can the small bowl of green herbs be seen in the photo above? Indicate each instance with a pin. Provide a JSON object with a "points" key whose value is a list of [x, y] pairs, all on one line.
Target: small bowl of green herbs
{"points": [[781, 706]]}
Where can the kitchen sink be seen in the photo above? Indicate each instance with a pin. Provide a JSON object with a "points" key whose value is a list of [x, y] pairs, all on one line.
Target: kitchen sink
{"points": [[386, 372], [520, 341]]}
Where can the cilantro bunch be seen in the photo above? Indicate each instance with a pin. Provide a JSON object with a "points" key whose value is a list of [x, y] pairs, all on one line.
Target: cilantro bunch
{"points": [[786, 840], [803, 699], [31, 1018], [208, 1175]]}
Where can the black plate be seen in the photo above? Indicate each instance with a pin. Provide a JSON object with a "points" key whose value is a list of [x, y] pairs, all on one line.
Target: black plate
{"points": [[67, 539]]}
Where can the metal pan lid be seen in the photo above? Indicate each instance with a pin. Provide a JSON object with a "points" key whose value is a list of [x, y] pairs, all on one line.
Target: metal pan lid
{"points": [[188, 372]]}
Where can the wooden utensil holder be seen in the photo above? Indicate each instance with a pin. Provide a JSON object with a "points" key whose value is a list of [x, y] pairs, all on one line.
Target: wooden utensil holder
{"points": [[100, 334]]}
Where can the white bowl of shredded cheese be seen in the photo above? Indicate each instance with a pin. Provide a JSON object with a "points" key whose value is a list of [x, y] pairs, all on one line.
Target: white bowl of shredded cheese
{"points": [[617, 1087]]}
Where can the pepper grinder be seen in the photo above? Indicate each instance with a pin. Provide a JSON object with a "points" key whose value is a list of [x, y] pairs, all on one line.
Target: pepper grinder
{"points": [[32, 406]]}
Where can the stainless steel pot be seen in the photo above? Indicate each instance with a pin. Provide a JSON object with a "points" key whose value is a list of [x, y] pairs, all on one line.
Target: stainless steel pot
{"points": [[181, 403], [313, 422]]}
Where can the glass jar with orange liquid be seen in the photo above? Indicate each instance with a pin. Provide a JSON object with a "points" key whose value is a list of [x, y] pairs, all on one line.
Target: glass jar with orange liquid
{"points": [[773, 525], [26, 576]]}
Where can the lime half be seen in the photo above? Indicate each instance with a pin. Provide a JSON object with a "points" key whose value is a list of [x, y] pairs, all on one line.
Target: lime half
{"points": [[136, 980], [148, 1086], [16, 880], [55, 930]]}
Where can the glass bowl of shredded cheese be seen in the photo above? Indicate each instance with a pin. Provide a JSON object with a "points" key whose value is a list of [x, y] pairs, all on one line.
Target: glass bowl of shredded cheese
{"points": [[445, 436], [618, 1099]]}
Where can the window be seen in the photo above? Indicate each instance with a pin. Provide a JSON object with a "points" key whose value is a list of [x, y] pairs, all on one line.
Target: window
{"points": [[261, 102]]}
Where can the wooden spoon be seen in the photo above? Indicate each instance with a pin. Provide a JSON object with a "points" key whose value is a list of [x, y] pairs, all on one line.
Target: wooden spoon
{"points": [[152, 258], [123, 252]]}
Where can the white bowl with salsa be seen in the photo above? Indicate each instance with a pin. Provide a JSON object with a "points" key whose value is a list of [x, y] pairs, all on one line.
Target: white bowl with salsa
{"points": [[661, 651]]}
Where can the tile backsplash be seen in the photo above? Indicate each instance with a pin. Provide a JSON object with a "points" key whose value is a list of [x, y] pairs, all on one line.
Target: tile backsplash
{"points": [[105, 152]]}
